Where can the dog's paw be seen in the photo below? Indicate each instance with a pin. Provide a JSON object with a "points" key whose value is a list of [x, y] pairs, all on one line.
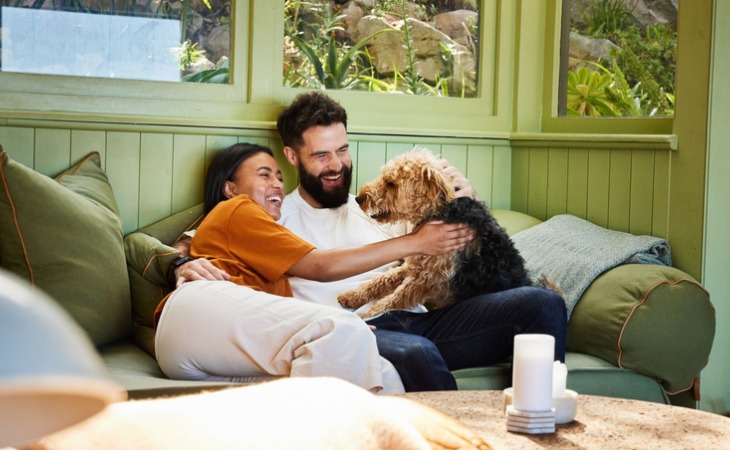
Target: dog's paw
{"points": [[350, 299], [376, 309]]}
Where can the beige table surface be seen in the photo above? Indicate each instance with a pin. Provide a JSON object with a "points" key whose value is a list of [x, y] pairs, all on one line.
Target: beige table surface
{"points": [[600, 423]]}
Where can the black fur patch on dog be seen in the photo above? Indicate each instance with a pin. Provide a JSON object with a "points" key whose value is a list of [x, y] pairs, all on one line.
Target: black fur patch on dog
{"points": [[496, 266]]}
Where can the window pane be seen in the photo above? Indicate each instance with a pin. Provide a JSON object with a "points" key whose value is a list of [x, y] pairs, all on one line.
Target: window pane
{"points": [[618, 58], [423, 47], [185, 40]]}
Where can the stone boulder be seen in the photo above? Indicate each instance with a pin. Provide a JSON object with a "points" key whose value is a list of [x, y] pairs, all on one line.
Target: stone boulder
{"points": [[645, 12], [456, 24], [388, 50], [584, 48]]}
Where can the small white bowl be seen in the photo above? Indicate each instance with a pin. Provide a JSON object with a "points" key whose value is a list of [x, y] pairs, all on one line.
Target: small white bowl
{"points": [[565, 406]]}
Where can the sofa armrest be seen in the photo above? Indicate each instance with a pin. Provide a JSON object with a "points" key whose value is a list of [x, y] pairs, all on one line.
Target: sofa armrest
{"points": [[149, 255], [653, 319]]}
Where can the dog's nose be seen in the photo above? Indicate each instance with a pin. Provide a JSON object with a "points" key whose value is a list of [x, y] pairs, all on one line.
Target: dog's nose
{"points": [[359, 199]]}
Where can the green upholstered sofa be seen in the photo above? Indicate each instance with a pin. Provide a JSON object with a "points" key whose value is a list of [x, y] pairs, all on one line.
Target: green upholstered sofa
{"points": [[638, 331]]}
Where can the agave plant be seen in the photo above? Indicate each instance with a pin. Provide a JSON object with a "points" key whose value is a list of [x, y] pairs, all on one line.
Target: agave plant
{"points": [[587, 93]]}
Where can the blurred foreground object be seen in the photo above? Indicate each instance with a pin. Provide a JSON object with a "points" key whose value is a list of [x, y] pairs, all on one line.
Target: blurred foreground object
{"points": [[50, 374]]}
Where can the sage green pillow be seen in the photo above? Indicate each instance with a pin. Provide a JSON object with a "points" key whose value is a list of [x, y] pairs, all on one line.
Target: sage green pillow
{"points": [[149, 256], [64, 236], [653, 319]]}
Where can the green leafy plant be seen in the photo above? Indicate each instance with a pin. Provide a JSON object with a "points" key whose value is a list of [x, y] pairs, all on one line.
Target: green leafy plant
{"points": [[609, 17], [330, 63], [188, 54], [218, 75]]}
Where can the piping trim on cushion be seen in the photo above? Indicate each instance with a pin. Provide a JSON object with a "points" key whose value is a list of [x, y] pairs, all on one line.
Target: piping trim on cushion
{"points": [[31, 278], [78, 166], [643, 300], [149, 263]]}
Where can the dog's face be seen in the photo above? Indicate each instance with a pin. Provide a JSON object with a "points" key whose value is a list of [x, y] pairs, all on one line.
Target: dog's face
{"points": [[410, 187]]}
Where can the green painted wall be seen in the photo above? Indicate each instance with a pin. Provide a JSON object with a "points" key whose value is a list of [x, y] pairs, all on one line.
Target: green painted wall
{"points": [[715, 387]]}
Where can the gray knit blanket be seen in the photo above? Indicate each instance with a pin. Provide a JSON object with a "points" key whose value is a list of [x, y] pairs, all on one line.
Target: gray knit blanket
{"points": [[574, 252]]}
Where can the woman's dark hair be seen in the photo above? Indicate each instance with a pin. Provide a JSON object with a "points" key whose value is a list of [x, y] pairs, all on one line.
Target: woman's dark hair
{"points": [[308, 110], [223, 168]]}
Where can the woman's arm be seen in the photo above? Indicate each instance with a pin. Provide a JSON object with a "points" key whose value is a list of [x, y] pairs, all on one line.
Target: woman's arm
{"points": [[434, 238]]}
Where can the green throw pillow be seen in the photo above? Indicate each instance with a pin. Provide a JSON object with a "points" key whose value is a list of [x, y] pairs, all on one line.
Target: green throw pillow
{"points": [[65, 237]]}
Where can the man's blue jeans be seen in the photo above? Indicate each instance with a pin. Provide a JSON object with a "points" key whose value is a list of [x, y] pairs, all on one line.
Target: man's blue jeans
{"points": [[476, 332]]}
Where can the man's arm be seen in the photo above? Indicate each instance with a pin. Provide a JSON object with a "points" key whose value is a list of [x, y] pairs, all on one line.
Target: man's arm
{"points": [[461, 184]]}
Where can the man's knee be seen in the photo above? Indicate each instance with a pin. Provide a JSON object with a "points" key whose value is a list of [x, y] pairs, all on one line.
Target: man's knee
{"points": [[544, 303], [415, 348]]}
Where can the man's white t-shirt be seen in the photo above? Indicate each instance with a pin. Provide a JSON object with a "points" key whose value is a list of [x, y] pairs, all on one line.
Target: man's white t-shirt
{"points": [[327, 228]]}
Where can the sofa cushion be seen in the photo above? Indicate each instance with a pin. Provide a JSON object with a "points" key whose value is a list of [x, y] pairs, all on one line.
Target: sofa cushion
{"points": [[653, 319], [149, 254], [64, 236], [514, 221]]}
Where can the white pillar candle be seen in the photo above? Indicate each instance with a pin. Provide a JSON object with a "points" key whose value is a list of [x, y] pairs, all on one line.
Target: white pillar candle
{"points": [[532, 372], [560, 378]]}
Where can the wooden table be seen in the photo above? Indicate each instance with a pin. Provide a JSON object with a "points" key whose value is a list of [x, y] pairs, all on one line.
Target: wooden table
{"points": [[600, 423]]}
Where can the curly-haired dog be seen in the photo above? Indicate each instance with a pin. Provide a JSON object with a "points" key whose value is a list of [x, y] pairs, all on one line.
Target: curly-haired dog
{"points": [[413, 189]]}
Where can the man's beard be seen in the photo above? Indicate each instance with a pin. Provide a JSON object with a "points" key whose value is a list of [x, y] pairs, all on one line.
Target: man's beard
{"points": [[333, 198]]}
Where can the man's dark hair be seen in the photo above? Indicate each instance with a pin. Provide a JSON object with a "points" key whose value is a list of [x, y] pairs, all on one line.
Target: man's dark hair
{"points": [[308, 110]]}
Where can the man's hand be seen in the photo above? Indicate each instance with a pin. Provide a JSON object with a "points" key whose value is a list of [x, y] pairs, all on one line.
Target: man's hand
{"points": [[461, 184], [199, 269]]}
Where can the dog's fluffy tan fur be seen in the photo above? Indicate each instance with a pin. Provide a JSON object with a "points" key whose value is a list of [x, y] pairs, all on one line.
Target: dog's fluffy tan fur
{"points": [[409, 186], [412, 188]]}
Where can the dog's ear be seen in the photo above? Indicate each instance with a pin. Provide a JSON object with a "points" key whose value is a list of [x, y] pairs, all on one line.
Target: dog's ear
{"points": [[439, 189]]}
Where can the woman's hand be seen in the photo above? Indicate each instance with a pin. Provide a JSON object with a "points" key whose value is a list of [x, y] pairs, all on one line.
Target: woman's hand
{"points": [[439, 238], [199, 269]]}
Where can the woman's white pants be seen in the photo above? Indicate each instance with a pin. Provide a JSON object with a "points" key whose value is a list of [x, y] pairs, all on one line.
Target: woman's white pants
{"points": [[217, 330]]}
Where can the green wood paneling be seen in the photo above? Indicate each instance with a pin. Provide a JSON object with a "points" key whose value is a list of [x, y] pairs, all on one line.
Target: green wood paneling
{"points": [[54, 150], [537, 183], [599, 162], [622, 189], [84, 142], [520, 176], [155, 177], [501, 178], [123, 155], [619, 197], [557, 187], [188, 164], [19, 143], [480, 171], [370, 158], [456, 155], [642, 192], [660, 203], [155, 174], [577, 182]]}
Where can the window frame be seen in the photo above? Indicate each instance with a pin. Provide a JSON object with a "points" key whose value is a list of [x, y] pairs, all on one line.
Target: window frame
{"points": [[553, 123], [256, 94], [122, 100], [488, 115]]}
